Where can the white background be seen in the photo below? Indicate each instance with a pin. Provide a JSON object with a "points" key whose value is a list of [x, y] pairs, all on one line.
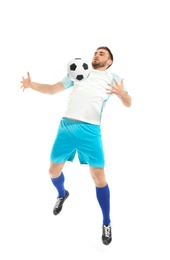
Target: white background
{"points": [[41, 37]]}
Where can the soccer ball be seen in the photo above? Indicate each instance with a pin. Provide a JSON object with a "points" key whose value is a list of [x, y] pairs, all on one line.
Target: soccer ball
{"points": [[78, 69]]}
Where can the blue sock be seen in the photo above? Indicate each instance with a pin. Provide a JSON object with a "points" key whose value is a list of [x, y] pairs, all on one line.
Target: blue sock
{"points": [[59, 184], [103, 197]]}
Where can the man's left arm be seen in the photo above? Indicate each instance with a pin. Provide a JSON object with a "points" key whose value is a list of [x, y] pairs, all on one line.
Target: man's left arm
{"points": [[118, 90]]}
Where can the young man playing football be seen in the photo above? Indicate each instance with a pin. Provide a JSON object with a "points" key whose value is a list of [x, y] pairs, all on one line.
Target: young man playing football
{"points": [[79, 129]]}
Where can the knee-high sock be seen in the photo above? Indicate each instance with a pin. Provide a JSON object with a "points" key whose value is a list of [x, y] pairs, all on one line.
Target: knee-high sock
{"points": [[103, 197], [59, 184]]}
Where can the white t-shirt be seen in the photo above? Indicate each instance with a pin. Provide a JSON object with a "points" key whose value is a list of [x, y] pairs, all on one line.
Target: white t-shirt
{"points": [[88, 98]]}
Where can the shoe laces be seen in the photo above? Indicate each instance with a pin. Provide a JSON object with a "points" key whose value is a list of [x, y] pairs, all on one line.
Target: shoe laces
{"points": [[57, 205], [107, 231]]}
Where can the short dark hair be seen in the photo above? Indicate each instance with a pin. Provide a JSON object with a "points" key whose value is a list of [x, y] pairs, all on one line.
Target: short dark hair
{"points": [[107, 49]]}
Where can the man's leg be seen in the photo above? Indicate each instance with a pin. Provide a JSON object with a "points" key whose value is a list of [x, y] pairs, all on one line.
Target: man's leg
{"points": [[57, 178], [102, 192], [103, 197]]}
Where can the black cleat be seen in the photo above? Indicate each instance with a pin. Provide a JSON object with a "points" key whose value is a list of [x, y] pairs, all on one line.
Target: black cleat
{"points": [[107, 235], [59, 204]]}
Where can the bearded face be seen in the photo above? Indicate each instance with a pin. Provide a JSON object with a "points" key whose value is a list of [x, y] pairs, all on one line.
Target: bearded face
{"points": [[96, 64], [101, 60]]}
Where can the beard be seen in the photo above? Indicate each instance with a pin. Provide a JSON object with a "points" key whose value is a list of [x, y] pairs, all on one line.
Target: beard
{"points": [[96, 64]]}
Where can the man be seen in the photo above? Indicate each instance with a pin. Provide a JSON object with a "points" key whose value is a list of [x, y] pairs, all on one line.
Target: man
{"points": [[79, 129]]}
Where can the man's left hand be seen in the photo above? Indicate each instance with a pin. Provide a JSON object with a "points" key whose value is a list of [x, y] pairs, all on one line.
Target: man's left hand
{"points": [[117, 89]]}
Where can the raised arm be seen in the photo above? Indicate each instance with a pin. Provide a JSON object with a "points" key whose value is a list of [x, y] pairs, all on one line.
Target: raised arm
{"points": [[42, 88]]}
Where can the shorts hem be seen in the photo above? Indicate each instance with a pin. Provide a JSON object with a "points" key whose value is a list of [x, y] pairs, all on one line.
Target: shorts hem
{"points": [[94, 166]]}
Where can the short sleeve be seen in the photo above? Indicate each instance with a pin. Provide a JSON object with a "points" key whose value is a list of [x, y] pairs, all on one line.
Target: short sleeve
{"points": [[67, 83], [118, 79]]}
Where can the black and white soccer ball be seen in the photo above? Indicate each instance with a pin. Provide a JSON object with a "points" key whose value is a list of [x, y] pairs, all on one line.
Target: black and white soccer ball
{"points": [[78, 69]]}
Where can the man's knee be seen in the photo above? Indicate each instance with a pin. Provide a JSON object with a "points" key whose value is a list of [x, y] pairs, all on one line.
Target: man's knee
{"points": [[98, 176], [55, 169]]}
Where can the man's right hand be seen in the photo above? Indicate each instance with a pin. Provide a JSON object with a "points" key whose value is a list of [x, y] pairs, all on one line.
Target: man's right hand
{"points": [[26, 83]]}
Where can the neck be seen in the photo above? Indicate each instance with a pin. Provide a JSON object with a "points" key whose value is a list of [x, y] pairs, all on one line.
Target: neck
{"points": [[101, 69]]}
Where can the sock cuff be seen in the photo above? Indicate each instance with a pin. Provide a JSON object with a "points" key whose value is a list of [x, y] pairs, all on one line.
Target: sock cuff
{"points": [[100, 188], [58, 179]]}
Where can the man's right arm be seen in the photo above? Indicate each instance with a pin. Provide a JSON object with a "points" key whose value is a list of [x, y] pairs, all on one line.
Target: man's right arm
{"points": [[47, 88], [42, 88]]}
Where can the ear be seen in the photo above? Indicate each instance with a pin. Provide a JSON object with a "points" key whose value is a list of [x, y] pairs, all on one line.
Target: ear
{"points": [[109, 62]]}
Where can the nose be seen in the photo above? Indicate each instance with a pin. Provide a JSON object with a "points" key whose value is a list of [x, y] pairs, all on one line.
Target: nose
{"points": [[96, 57]]}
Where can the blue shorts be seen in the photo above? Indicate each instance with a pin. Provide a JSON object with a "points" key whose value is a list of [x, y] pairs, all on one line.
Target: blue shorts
{"points": [[81, 137]]}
